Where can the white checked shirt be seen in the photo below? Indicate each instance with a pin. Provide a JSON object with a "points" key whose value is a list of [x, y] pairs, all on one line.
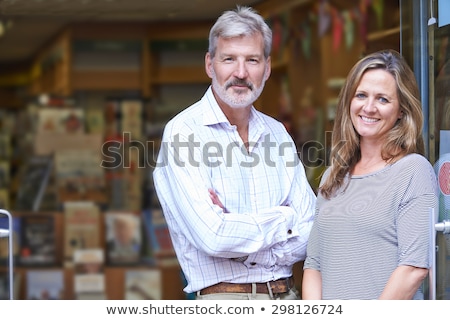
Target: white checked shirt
{"points": [[269, 204]]}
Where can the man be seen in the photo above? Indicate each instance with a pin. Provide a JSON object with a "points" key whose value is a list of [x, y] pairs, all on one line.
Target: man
{"points": [[233, 191]]}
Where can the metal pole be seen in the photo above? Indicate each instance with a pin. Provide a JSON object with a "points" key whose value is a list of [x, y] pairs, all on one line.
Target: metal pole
{"points": [[432, 272], [420, 11], [431, 89], [11, 252]]}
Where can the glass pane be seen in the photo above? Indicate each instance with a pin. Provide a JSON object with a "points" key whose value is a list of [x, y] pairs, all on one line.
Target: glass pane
{"points": [[442, 151], [415, 16]]}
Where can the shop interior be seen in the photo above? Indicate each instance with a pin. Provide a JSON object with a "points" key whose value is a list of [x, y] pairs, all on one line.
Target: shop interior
{"points": [[89, 82]]}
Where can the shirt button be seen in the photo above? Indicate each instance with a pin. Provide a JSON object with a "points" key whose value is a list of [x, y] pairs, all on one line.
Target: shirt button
{"points": [[289, 231]]}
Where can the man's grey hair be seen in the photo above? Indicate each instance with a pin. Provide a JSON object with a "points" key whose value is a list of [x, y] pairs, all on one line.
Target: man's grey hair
{"points": [[242, 21]]}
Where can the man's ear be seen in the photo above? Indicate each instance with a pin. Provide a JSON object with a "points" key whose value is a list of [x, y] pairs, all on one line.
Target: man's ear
{"points": [[208, 65], [268, 68]]}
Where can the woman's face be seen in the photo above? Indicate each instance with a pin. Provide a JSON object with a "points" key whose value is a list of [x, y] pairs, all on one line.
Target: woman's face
{"points": [[374, 108]]}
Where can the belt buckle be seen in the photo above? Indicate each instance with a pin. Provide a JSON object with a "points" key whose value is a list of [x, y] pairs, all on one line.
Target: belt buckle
{"points": [[288, 283], [278, 294]]}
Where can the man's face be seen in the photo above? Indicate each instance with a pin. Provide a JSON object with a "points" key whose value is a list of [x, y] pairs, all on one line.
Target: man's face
{"points": [[238, 70]]}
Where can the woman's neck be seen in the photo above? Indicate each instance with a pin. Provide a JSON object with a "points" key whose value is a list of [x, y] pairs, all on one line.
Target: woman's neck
{"points": [[371, 159]]}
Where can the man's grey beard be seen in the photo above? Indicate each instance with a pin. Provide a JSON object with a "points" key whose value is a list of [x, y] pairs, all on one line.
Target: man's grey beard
{"points": [[229, 99]]}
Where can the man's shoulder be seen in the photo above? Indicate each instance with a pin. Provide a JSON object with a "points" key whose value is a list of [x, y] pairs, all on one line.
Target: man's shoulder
{"points": [[269, 120], [186, 117]]}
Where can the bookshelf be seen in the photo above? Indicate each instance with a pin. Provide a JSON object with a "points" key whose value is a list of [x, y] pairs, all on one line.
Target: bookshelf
{"points": [[109, 68], [114, 275], [115, 283]]}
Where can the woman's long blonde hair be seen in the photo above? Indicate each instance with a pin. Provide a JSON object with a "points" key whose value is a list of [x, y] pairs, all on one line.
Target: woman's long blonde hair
{"points": [[404, 138]]}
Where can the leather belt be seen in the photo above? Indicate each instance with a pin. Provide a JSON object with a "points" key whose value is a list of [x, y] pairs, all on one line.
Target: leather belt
{"points": [[277, 286]]}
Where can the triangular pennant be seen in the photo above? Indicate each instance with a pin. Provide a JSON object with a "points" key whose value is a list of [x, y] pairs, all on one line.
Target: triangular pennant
{"points": [[349, 29], [338, 27], [324, 20]]}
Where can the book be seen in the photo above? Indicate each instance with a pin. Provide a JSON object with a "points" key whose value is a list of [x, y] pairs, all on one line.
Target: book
{"points": [[37, 240], [158, 235], [124, 172], [5, 146], [4, 199], [45, 284], [131, 118], [4, 174], [123, 237], [4, 285], [50, 201], [95, 121], [45, 144], [79, 175], [133, 173], [82, 223], [112, 119], [143, 284], [33, 181], [4, 184], [53, 120], [116, 188], [89, 277], [4, 245]]}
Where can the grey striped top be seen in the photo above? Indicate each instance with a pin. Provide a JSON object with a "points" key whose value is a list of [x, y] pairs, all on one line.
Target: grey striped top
{"points": [[378, 222]]}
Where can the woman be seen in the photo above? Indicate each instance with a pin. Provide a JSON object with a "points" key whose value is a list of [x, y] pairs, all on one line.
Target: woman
{"points": [[370, 238]]}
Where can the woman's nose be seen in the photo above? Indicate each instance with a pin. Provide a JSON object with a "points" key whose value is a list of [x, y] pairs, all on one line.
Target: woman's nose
{"points": [[369, 105]]}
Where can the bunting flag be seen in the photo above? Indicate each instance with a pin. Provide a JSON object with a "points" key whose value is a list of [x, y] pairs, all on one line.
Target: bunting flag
{"points": [[378, 8], [338, 26], [306, 40], [280, 33], [342, 24], [277, 35], [324, 20], [349, 28], [362, 13]]}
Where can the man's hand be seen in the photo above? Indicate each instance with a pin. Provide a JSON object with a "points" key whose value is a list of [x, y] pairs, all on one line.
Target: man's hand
{"points": [[215, 199]]}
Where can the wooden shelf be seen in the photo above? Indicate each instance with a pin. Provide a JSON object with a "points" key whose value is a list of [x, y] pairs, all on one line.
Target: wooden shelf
{"points": [[171, 281], [378, 35], [180, 74], [106, 80], [171, 276]]}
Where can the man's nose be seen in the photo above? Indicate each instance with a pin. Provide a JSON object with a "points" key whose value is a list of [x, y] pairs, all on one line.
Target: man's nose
{"points": [[241, 71]]}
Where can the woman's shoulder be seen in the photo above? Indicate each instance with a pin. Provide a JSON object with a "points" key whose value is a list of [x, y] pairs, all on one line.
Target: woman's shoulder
{"points": [[415, 167], [415, 160], [325, 174]]}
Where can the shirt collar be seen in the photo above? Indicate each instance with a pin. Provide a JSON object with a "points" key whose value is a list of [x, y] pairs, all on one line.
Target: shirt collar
{"points": [[212, 114]]}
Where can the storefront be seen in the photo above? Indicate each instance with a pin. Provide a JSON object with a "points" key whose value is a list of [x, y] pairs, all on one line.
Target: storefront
{"points": [[425, 42]]}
